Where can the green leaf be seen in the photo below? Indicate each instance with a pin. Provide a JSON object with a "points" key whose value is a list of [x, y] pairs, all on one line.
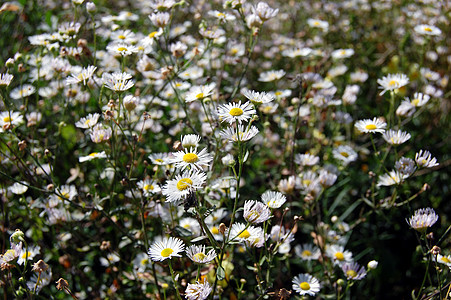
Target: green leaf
{"points": [[220, 273]]}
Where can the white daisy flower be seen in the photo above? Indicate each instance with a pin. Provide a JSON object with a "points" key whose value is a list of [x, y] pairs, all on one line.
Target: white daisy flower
{"points": [[271, 75], [28, 255], [392, 178], [392, 82], [221, 16], [315, 23], [424, 159], [405, 166], [160, 19], [371, 126], [306, 159], [190, 141], [419, 99], [239, 134], [19, 188], [306, 284], [264, 11], [235, 112], [182, 185], [22, 92], [189, 158], [256, 212], [427, 29], [197, 254], [88, 121], [257, 97], [92, 156], [5, 79], [100, 134], [198, 291], [396, 137], [148, 187], [307, 251], [250, 236], [327, 179], [199, 92], [118, 82], [166, 248], [273, 199], [345, 154], [338, 254], [342, 53], [422, 219], [444, 260], [191, 225], [82, 75], [10, 119], [353, 271], [160, 158]]}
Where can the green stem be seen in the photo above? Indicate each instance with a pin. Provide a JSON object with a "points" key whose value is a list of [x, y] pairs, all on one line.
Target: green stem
{"points": [[174, 281]]}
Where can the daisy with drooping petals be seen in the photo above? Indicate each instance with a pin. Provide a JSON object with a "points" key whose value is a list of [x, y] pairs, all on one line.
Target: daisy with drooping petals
{"points": [[256, 212], [306, 284], [249, 235], [273, 199], [88, 121], [353, 271], [81, 75], [422, 219], [190, 141], [257, 97], [182, 185], [371, 126], [391, 178], [166, 248], [5, 79], [424, 159], [396, 137], [192, 159], [197, 254], [392, 82], [198, 291], [235, 112], [118, 82], [240, 134], [10, 118]]}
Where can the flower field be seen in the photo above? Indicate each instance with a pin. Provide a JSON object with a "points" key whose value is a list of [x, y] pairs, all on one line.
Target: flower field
{"points": [[211, 149]]}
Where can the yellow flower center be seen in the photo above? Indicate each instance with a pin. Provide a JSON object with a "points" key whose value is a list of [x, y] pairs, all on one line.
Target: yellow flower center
{"points": [[392, 83], [305, 286], [445, 260], [316, 23], [93, 154], [199, 256], [215, 230], [351, 273], [370, 127], [122, 37], [278, 93], [339, 256], [152, 34], [7, 119], [144, 261], [159, 160], [254, 215], [415, 102], [200, 95], [428, 29], [166, 252], [236, 111], [148, 187], [244, 235], [306, 182], [120, 49], [344, 154], [184, 183], [26, 254], [306, 253], [342, 52], [190, 158]]}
